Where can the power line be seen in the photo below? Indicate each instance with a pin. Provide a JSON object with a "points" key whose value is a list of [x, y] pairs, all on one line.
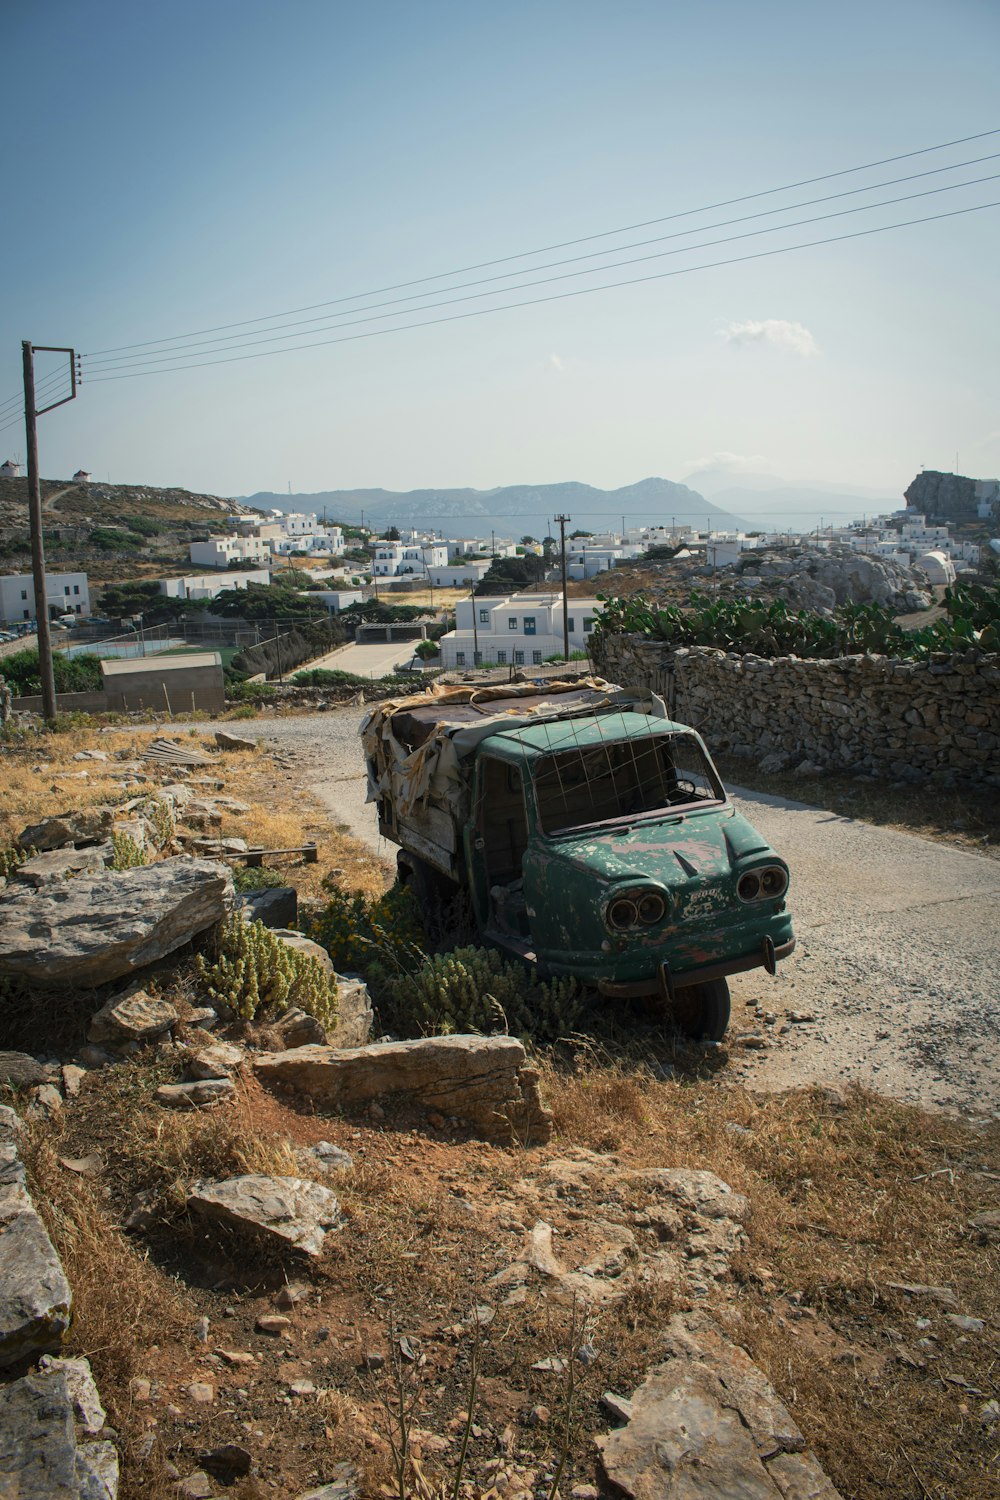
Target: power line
{"points": [[18, 400], [555, 296], [561, 245], [274, 335]]}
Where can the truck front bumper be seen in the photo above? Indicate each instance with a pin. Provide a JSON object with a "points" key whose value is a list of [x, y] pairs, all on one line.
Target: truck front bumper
{"points": [[665, 982]]}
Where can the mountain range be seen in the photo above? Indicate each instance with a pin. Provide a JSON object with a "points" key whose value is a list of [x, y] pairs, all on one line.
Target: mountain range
{"points": [[770, 502], [514, 509]]}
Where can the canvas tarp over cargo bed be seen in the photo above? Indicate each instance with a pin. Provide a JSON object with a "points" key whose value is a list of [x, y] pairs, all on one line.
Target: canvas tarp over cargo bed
{"points": [[415, 746]]}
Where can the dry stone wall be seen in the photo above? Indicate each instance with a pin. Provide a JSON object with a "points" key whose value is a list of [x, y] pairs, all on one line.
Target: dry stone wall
{"points": [[861, 715]]}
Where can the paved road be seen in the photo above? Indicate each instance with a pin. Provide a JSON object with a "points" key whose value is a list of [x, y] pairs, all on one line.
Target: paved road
{"points": [[376, 659], [898, 940]]}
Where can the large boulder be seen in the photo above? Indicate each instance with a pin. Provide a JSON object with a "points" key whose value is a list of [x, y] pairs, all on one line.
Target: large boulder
{"points": [[86, 825], [290, 1211], [34, 1293], [481, 1080], [133, 1017], [42, 1456], [99, 928], [62, 864], [276, 906], [708, 1425]]}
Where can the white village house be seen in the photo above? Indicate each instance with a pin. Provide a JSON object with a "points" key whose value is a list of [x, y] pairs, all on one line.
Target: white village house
{"points": [[519, 630], [67, 594]]}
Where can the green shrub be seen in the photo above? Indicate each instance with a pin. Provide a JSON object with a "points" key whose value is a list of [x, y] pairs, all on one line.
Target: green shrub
{"points": [[11, 858], [477, 989], [256, 878], [126, 853], [257, 973], [73, 674]]}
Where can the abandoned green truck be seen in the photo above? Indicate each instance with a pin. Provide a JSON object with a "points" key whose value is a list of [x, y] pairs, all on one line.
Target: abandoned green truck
{"points": [[591, 835]]}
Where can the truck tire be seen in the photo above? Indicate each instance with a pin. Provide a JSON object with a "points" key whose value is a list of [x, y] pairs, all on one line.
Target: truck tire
{"points": [[439, 899], [701, 1011]]}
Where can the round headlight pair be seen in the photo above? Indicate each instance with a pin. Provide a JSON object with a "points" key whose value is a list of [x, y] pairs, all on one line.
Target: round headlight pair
{"points": [[762, 885], [637, 909]]}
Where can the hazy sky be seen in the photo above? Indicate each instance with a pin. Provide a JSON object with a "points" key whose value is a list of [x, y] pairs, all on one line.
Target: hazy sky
{"points": [[176, 167]]}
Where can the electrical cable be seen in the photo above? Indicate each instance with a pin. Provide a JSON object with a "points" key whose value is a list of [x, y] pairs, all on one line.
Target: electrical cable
{"points": [[40, 387], [164, 368], [561, 245], [333, 320]]}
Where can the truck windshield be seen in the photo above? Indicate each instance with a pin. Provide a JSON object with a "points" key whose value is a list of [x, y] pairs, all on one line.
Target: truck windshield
{"points": [[623, 778]]}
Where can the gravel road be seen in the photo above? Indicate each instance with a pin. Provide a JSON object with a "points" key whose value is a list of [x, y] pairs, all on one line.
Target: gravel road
{"points": [[897, 957]]}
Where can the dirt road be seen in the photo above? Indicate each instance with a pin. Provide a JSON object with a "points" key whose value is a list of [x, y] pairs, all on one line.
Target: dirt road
{"points": [[897, 954]]}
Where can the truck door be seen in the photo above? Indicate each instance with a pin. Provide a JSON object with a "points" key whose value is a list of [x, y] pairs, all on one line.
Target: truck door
{"points": [[499, 840]]}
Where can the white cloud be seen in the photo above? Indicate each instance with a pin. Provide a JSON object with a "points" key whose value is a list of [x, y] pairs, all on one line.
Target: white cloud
{"points": [[739, 463], [777, 331], [556, 362]]}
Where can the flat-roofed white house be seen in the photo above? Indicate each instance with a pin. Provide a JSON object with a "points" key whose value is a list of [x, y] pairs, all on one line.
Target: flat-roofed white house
{"points": [[220, 551], [399, 559], [459, 575], [210, 585], [519, 630], [67, 594]]}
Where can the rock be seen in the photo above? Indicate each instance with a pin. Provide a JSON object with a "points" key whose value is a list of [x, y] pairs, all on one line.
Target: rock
{"points": [[203, 1016], [354, 1013], [46, 1101], [538, 1252], [201, 1392], [196, 1486], [276, 907], [344, 1486], [87, 825], [34, 1293], [83, 1166], [617, 1406], [987, 1222], [943, 1294], [296, 1028], [98, 928], [40, 1456], [483, 1080], [218, 1060], [135, 1016], [306, 947], [88, 1413], [95, 1057], [333, 1158], [273, 1323], [209, 848], [288, 1211], [707, 1423], [965, 1324], [197, 1094], [539, 1416], [227, 741], [61, 864], [228, 1463], [72, 1078], [19, 1071], [292, 1294]]}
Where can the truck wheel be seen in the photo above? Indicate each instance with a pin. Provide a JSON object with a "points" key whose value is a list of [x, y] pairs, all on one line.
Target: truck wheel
{"points": [[701, 1011]]}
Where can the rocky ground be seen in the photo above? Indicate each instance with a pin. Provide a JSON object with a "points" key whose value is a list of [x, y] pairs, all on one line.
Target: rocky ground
{"points": [[664, 1276]]}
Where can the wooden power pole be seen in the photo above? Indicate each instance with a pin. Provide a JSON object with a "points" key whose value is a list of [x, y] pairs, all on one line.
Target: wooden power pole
{"points": [[45, 668], [562, 539]]}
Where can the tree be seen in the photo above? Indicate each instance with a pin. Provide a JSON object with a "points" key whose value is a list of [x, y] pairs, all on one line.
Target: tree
{"points": [[527, 541], [392, 535], [508, 573], [575, 534]]}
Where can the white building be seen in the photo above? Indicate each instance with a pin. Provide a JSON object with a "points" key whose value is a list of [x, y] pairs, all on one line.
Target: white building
{"points": [[10, 469], [458, 575], [398, 559], [66, 593], [335, 599], [520, 630], [220, 551], [210, 585], [938, 567], [82, 476]]}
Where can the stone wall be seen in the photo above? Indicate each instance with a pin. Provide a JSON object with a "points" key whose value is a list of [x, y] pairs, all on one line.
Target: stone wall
{"points": [[860, 715]]}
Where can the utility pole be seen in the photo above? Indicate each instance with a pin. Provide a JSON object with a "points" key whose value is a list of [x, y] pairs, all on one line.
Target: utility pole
{"points": [[561, 520], [45, 668], [475, 628]]}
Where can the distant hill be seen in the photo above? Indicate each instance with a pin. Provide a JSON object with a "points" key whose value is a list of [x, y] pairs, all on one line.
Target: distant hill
{"points": [[518, 509], [770, 502]]}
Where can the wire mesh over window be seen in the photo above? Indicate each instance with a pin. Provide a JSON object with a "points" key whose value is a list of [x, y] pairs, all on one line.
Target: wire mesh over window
{"points": [[622, 779]]}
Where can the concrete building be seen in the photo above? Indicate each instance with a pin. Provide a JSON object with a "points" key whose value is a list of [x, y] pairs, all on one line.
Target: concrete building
{"points": [[938, 567], [67, 594], [520, 630], [398, 559], [459, 575], [210, 585], [335, 599], [220, 551]]}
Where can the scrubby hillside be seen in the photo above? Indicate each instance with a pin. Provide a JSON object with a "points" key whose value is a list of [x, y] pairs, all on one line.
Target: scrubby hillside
{"points": [[112, 530]]}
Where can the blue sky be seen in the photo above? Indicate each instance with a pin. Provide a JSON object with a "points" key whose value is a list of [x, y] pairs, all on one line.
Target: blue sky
{"points": [[176, 167]]}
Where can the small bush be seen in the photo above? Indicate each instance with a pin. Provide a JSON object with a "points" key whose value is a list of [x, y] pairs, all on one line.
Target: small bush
{"points": [[256, 878], [256, 973], [477, 989], [127, 854]]}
